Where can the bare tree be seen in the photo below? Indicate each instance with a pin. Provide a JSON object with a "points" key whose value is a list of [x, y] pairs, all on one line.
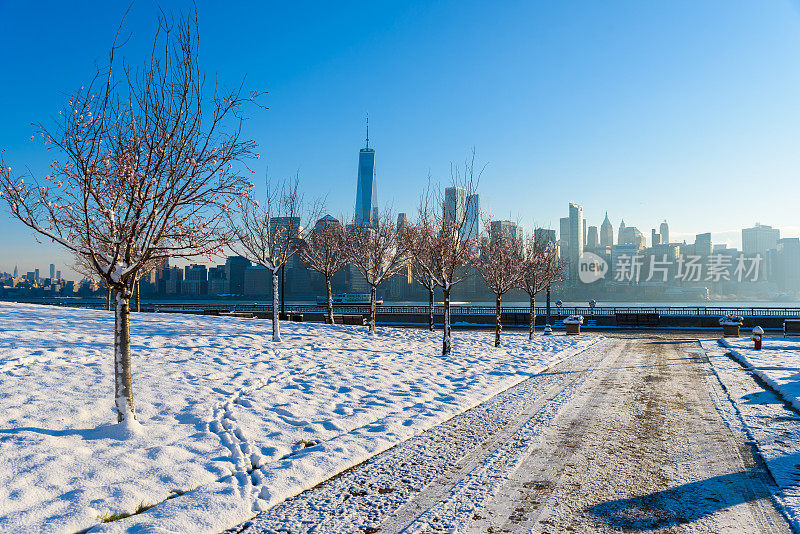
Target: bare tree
{"points": [[86, 270], [379, 252], [150, 163], [325, 251], [422, 240], [449, 235], [500, 263], [540, 269], [268, 233]]}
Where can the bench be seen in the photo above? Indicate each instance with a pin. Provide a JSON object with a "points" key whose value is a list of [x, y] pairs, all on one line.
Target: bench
{"points": [[295, 317], [637, 319], [243, 315], [357, 320], [791, 327]]}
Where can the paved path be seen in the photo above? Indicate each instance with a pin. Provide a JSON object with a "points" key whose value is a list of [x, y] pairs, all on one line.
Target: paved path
{"points": [[624, 437]]}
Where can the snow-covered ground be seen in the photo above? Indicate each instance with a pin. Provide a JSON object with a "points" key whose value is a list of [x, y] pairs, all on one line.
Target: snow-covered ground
{"points": [[778, 363], [232, 423], [770, 420]]}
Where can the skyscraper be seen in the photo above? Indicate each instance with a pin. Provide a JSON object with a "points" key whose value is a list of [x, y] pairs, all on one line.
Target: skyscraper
{"points": [[477, 208], [507, 229], [655, 238], [455, 199], [702, 244], [235, 266], [366, 189], [285, 224], [402, 222], [621, 231], [664, 230], [52, 271], [584, 233], [544, 235], [575, 237], [563, 236], [325, 222], [606, 233], [592, 240], [759, 239]]}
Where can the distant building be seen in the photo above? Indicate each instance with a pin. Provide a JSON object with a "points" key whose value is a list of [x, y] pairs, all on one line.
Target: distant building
{"points": [[506, 229], [585, 230], [563, 236], [171, 282], [402, 222], [326, 221], [257, 281], [630, 235], [621, 229], [760, 239], [235, 267], [606, 233], [664, 231], [788, 258], [477, 209], [544, 235], [217, 281], [195, 280], [367, 187], [655, 238], [290, 224], [52, 271], [575, 237], [592, 237], [702, 244], [455, 204]]}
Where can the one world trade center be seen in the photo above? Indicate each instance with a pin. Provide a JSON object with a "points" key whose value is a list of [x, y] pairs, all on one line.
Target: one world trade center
{"points": [[366, 191]]}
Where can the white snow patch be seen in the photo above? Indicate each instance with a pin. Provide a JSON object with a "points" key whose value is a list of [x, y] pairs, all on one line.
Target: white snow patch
{"points": [[229, 423]]}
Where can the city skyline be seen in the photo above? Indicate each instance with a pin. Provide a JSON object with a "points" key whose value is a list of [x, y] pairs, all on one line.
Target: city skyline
{"points": [[689, 128]]}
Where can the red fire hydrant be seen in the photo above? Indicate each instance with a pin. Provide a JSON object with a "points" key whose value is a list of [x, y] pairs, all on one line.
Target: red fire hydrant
{"points": [[758, 333]]}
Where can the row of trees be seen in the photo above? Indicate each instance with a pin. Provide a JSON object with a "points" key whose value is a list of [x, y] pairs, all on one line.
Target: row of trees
{"points": [[152, 167]]}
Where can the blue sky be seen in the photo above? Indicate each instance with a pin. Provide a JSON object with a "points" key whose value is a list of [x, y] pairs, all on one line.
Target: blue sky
{"points": [[679, 110]]}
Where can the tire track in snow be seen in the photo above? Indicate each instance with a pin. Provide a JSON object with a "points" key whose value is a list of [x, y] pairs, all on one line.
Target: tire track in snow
{"points": [[399, 482]]}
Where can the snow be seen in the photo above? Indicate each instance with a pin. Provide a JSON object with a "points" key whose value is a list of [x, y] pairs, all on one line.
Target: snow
{"points": [[229, 423], [766, 415], [777, 363]]}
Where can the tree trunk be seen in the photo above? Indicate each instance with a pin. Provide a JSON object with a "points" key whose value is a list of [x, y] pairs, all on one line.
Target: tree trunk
{"points": [[108, 298], [276, 325], [497, 325], [446, 342], [372, 295], [330, 298], [136, 298], [533, 317], [123, 384], [431, 324]]}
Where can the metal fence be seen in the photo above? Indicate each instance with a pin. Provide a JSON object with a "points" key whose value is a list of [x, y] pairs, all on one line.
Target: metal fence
{"points": [[689, 311]]}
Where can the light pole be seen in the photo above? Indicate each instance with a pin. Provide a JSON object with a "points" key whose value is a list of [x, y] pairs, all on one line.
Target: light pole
{"points": [[547, 328]]}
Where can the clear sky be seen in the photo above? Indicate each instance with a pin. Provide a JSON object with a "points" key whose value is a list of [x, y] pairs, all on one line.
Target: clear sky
{"points": [[680, 110]]}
